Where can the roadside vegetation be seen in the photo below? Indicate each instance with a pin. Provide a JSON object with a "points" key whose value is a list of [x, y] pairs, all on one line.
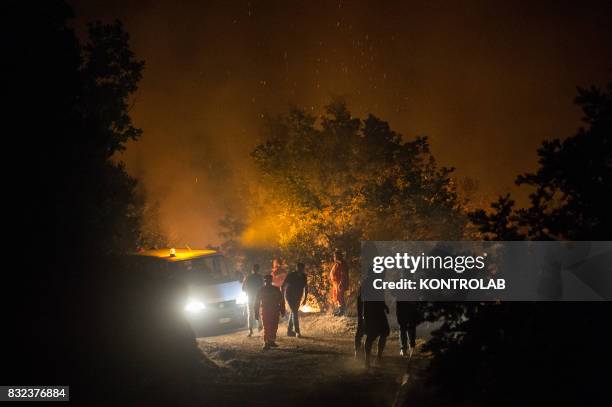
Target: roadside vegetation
{"points": [[323, 183]]}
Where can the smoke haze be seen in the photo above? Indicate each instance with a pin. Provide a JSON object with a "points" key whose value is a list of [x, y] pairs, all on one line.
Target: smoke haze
{"points": [[487, 82]]}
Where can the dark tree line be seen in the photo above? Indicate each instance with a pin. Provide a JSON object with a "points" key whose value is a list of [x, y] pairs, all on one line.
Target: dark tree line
{"points": [[572, 187], [538, 353], [76, 313]]}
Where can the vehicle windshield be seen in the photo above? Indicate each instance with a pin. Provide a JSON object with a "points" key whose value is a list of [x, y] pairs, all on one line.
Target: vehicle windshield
{"points": [[205, 270]]}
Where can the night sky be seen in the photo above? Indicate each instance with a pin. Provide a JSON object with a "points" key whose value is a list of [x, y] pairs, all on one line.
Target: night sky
{"points": [[487, 82]]}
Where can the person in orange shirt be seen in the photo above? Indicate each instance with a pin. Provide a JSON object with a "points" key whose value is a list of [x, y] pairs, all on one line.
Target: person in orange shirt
{"points": [[270, 305], [279, 272], [339, 279]]}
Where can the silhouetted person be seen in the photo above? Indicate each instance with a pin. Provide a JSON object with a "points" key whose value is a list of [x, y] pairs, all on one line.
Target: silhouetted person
{"points": [[408, 317], [360, 332], [251, 285], [375, 326], [375, 323], [271, 306], [368, 251], [295, 289], [339, 280]]}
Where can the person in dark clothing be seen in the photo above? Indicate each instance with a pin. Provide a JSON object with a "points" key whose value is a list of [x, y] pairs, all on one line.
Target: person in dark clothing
{"points": [[375, 325], [369, 250], [360, 332], [295, 290], [251, 285], [408, 318], [271, 305]]}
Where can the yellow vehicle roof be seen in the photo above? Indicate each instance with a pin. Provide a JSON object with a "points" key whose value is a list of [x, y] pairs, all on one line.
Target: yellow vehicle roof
{"points": [[180, 254]]}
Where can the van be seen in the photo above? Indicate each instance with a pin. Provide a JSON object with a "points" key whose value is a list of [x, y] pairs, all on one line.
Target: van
{"points": [[214, 298]]}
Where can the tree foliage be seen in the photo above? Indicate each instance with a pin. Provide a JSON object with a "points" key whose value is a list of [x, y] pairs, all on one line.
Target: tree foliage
{"points": [[330, 183], [501, 223], [76, 207], [572, 186], [97, 202], [489, 353]]}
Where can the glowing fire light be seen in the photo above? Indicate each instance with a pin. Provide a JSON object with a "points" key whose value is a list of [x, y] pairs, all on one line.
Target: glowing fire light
{"points": [[307, 308]]}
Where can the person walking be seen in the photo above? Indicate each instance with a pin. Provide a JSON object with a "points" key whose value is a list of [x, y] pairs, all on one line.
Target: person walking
{"points": [[376, 326], [295, 289], [360, 332], [407, 318], [375, 323], [251, 285], [339, 280], [271, 305]]}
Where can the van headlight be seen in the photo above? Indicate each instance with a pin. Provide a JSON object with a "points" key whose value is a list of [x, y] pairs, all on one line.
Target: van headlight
{"points": [[243, 298], [194, 306]]}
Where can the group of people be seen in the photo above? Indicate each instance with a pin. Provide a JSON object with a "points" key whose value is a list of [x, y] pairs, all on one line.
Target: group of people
{"points": [[372, 323], [266, 302], [267, 299]]}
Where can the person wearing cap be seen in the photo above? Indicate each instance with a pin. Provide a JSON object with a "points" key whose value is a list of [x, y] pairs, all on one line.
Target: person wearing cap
{"points": [[339, 280], [271, 305]]}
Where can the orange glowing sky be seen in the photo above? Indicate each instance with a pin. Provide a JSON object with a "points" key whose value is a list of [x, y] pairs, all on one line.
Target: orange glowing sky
{"points": [[487, 82]]}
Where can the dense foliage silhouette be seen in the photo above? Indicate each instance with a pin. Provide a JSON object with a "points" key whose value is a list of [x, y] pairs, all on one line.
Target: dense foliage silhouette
{"points": [[537, 353], [78, 313]]}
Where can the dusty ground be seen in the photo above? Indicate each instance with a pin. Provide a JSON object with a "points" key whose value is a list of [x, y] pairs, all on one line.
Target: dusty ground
{"points": [[317, 369]]}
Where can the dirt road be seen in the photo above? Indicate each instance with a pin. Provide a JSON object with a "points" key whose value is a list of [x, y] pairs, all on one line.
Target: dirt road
{"points": [[317, 369]]}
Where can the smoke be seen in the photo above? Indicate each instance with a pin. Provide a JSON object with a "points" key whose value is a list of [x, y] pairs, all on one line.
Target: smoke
{"points": [[486, 81]]}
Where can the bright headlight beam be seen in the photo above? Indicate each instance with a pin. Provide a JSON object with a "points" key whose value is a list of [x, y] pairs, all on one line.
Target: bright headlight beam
{"points": [[242, 298], [194, 306]]}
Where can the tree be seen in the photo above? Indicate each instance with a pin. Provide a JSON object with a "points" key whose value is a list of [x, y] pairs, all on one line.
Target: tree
{"points": [[500, 224], [572, 199], [151, 235], [76, 209], [97, 205], [572, 185], [330, 183], [488, 353]]}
